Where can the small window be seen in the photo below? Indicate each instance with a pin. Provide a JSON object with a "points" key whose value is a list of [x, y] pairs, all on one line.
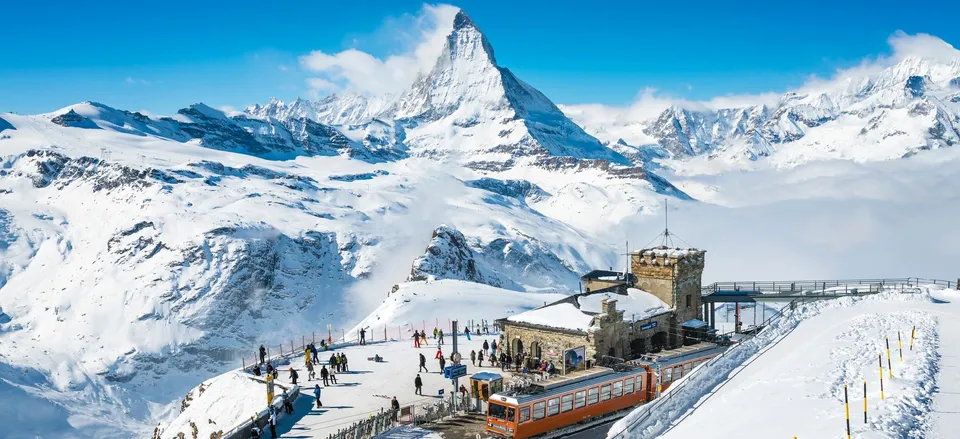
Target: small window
{"points": [[553, 406], [628, 386], [566, 403], [581, 399], [677, 372], [667, 375], [618, 389], [592, 395], [640, 383], [605, 392], [524, 414], [688, 301], [511, 414], [687, 368], [538, 410]]}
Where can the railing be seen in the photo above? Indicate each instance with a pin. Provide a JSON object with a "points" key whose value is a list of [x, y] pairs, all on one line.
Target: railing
{"points": [[383, 421], [822, 285]]}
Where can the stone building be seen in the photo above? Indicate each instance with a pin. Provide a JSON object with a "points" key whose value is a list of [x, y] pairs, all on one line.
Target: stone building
{"points": [[624, 315]]}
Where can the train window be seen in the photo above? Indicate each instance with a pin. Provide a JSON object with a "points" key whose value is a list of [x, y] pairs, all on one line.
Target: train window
{"points": [[511, 414], [667, 375], [539, 409], [687, 368], [553, 406], [677, 372], [605, 392], [618, 389], [592, 395], [498, 411], [524, 414], [640, 383], [566, 403], [628, 386], [581, 399]]}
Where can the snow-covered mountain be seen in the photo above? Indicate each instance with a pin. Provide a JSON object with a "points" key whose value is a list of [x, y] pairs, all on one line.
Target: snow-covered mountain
{"points": [[907, 107]]}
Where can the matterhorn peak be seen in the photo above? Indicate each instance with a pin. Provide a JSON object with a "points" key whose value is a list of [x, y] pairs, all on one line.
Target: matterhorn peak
{"points": [[467, 41]]}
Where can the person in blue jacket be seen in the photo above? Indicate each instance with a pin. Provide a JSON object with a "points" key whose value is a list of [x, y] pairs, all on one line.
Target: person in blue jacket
{"points": [[316, 393]]}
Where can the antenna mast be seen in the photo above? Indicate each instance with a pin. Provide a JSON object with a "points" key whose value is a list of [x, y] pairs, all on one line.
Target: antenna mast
{"points": [[666, 224]]}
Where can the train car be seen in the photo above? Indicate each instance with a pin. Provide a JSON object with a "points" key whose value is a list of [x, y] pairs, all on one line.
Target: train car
{"points": [[566, 401], [668, 367], [597, 392]]}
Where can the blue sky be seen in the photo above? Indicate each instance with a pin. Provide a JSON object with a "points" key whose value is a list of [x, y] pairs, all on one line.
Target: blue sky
{"points": [[167, 55]]}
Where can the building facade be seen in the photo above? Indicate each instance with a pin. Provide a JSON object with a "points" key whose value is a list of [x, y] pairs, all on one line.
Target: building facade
{"points": [[639, 312]]}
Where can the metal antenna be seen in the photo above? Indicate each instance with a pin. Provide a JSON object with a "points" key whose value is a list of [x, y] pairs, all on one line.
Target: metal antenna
{"points": [[666, 224]]}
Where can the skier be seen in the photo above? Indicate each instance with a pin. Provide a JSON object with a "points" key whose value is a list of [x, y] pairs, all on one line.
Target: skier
{"points": [[443, 362], [324, 375], [434, 332], [293, 376], [273, 424], [316, 394], [486, 346], [423, 364], [416, 339], [480, 359], [439, 354], [467, 331], [473, 357], [363, 336], [440, 340], [418, 384], [263, 354]]}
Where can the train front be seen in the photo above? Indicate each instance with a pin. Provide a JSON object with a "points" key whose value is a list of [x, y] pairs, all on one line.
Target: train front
{"points": [[502, 416]]}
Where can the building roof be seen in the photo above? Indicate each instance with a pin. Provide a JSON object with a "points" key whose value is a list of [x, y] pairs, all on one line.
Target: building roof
{"points": [[608, 276], [576, 312], [486, 376]]}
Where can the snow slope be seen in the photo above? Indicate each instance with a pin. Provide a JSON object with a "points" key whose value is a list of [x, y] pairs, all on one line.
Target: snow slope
{"points": [[805, 359]]}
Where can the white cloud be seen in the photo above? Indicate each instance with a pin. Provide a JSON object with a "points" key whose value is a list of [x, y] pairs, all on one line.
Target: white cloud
{"points": [[226, 108], [353, 70], [283, 68], [134, 81], [649, 103]]}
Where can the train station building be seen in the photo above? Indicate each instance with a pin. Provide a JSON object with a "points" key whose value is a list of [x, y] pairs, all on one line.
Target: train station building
{"points": [[654, 306]]}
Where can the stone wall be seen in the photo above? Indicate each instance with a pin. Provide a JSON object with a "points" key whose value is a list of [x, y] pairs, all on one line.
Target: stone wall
{"points": [[594, 284], [554, 340]]}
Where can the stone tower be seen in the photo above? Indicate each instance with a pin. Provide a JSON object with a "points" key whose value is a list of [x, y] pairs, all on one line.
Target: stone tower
{"points": [[674, 275]]}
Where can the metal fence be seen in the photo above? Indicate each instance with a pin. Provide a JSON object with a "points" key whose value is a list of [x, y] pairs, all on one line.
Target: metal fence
{"points": [[871, 285], [379, 423], [242, 430]]}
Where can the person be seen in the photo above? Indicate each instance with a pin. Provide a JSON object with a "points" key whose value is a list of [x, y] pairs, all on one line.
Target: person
{"points": [[480, 359], [311, 374], [504, 361], [395, 406], [473, 357], [439, 354], [307, 353], [333, 361], [551, 369], [423, 364], [287, 405], [434, 332], [316, 358], [486, 346], [418, 385], [463, 391], [293, 376], [363, 335], [333, 376], [493, 346], [255, 431], [443, 362], [316, 394], [440, 340], [467, 332], [263, 354], [486, 328], [343, 360], [416, 339], [276, 373], [269, 368], [423, 337], [273, 424], [323, 344], [256, 369], [324, 375]]}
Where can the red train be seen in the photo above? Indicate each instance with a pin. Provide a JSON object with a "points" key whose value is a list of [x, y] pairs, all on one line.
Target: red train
{"points": [[597, 392]]}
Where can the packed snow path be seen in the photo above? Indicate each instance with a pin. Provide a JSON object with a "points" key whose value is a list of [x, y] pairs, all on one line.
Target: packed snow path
{"points": [[796, 387], [368, 386]]}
